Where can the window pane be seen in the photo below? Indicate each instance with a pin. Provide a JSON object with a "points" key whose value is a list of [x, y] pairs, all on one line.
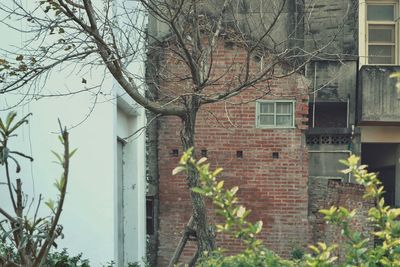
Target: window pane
{"points": [[283, 120], [380, 12], [381, 54], [283, 108], [267, 120], [267, 108], [383, 34]]}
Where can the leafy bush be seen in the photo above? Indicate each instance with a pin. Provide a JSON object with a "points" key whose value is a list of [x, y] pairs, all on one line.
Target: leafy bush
{"points": [[54, 259], [359, 252], [60, 258], [64, 259]]}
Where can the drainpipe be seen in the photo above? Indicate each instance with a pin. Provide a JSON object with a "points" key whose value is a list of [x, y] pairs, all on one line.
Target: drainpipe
{"points": [[314, 92], [348, 111]]}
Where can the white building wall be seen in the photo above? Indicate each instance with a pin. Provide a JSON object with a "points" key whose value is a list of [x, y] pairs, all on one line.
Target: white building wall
{"points": [[131, 121], [89, 216], [88, 212]]}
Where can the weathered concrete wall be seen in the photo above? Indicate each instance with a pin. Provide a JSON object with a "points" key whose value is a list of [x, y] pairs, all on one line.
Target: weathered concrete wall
{"points": [[333, 138], [377, 96], [251, 17], [334, 81], [326, 164], [333, 24]]}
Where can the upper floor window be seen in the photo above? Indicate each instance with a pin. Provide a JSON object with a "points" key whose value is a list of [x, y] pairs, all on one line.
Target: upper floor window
{"points": [[381, 33], [275, 114], [379, 25]]}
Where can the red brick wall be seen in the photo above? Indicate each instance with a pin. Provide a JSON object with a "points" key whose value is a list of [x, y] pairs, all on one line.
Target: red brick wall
{"points": [[274, 189]]}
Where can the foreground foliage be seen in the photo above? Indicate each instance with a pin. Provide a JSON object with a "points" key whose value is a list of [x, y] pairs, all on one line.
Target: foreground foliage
{"points": [[62, 258], [25, 235], [358, 247]]}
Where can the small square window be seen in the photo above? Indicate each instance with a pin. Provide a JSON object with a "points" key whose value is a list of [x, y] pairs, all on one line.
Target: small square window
{"points": [[275, 114]]}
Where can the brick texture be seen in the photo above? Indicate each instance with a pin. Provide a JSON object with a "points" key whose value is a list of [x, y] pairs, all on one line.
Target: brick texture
{"points": [[326, 193], [275, 189]]}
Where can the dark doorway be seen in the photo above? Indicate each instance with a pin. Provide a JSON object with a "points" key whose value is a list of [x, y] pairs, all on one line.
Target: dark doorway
{"points": [[381, 158], [388, 177]]}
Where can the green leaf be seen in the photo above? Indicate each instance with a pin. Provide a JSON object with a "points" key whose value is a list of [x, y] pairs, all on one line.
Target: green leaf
{"points": [[19, 123], [220, 185], [314, 249], [178, 170], [51, 204], [60, 160], [72, 152], [395, 75], [59, 184], [199, 190], [258, 226], [240, 211], [234, 190], [217, 171], [2, 127], [10, 118], [202, 160]]}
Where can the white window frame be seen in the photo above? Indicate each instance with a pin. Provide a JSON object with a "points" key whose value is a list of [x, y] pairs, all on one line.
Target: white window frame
{"points": [[258, 104], [363, 25]]}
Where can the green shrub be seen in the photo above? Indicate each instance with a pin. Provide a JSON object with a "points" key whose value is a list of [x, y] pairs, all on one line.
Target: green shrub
{"points": [[54, 259], [359, 251], [64, 259]]}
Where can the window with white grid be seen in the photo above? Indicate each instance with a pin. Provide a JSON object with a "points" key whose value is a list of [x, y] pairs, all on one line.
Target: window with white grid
{"points": [[275, 114], [381, 32]]}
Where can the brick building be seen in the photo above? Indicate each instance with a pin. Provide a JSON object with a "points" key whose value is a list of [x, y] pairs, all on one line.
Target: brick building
{"points": [[282, 148]]}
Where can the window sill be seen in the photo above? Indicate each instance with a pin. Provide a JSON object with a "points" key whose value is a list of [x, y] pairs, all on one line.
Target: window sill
{"points": [[275, 127], [338, 130]]}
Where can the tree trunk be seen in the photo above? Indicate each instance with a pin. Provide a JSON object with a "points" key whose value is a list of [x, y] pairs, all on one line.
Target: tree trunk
{"points": [[205, 238]]}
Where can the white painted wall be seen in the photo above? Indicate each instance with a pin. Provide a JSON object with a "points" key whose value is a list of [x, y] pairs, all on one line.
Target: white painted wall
{"points": [[89, 217], [134, 186], [88, 213]]}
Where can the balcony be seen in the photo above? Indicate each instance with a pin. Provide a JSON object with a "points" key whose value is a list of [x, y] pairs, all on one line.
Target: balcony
{"points": [[378, 102]]}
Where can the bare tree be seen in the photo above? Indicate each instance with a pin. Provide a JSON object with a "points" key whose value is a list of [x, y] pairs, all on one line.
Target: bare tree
{"points": [[187, 33]]}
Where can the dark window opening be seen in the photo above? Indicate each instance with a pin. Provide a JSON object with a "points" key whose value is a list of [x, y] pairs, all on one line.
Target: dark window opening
{"points": [[382, 159], [327, 115], [239, 154], [175, 152], [150, 215], [204, 152]]}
